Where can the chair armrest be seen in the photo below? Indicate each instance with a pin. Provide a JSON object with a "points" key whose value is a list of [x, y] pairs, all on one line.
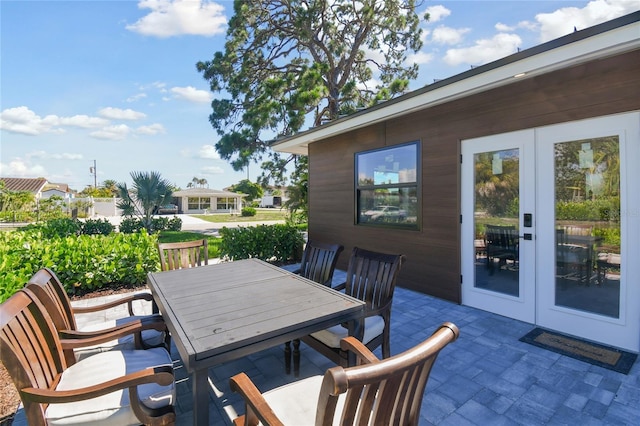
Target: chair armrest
{"points": [[104, 306], [363, 354], [256, 408], [72, 339], [162, 375]]}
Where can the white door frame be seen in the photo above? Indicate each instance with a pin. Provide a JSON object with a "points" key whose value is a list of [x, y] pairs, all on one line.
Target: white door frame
{"points": [[536, 303], [521, 307], [623, 332]]}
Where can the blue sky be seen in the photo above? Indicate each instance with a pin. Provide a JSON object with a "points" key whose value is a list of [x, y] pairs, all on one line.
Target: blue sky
{"points": [[115, 81]]}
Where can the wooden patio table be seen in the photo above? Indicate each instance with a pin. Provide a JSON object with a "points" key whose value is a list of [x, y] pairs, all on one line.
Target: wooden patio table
{"points": [[221, 312]]}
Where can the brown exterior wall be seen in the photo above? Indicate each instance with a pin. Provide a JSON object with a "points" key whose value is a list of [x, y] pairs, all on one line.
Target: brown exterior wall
{"points": [[593, 89]]}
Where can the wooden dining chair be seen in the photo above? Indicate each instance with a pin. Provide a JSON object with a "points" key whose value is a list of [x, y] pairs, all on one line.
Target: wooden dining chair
{"points": [[146, 331], [371, 277], [374, 392], [188, 254], [109, 388], [318, 264], [319, 261]]}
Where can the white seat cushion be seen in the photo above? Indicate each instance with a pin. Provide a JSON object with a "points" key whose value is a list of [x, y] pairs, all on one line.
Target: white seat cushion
{"points": [[296, 403], [113, 408], [126, 343], [373, 327]]}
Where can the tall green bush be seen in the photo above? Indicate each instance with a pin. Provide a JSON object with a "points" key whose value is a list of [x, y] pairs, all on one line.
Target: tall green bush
{"points": [[133, 224], [86, 262], [273, 243]]}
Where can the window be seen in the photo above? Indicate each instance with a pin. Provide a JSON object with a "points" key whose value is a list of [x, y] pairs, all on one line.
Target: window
{"points": [[227, 204], [387, 187], [198, 203]]}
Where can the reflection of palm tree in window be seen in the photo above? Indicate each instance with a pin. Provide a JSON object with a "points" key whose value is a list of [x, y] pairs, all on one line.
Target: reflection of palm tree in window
{"points": [[497, 194]]}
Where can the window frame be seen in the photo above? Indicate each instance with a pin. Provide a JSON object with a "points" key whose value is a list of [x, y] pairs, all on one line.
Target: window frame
{"points": [[416, 185]]}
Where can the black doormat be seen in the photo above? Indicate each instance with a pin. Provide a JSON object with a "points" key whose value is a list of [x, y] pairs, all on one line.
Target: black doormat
{"points": [[593, 353]]}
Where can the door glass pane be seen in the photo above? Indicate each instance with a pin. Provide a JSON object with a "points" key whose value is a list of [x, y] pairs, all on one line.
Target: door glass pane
{"points": [[587, 225], [496, 213]]}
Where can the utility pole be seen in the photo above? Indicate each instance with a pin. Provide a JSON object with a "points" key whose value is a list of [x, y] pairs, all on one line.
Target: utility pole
{"points": [[93, 171]]}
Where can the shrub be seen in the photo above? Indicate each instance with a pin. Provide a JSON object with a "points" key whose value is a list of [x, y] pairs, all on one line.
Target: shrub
{"points": [[61, 227], [273, 243], [84, 262], [130, 225], [159, 223], [133, 224], [175, 224], [248, 211], [97, 227]]}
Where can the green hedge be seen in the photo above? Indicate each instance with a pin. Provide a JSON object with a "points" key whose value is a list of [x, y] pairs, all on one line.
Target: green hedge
{"points": [[273, 243], [87, 262]]}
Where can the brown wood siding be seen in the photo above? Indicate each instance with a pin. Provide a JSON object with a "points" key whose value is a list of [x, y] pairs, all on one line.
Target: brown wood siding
{"points": [[588, 90]]}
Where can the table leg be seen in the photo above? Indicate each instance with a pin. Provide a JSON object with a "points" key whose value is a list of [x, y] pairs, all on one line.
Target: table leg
{"points": [[356, 328], [200, 389], [296, 358], [287, 357]]}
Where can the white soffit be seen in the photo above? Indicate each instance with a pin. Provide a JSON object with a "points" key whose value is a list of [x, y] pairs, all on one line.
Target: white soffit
{"points": [[609, 43]]}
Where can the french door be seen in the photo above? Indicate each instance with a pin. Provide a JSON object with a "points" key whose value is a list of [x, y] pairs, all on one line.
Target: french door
{"points": [[548, 227]]}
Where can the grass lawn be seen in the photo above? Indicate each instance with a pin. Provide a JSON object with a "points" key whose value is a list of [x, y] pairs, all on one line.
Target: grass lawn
{"points": [[261, 215]]}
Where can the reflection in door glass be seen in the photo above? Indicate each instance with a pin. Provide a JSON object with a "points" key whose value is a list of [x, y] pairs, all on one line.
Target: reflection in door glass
{"points": [[587, 225], [496, 212]]}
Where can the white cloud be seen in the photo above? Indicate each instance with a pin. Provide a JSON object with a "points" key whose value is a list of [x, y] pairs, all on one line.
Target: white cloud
{"points": [[191, 94], [67, 156], [503, 28], [137, 97], [172, 18], [485, 50], [21, 168], [83, 121], [212, 170], [116, 133], [209, 152], [437, 13], [23, 120], [563, 21], [419, 58], [448, 35], [121, 114], [153, 129]]}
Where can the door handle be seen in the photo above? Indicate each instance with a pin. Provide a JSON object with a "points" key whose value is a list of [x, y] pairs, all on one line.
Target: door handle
{"points": [[526, 236]]}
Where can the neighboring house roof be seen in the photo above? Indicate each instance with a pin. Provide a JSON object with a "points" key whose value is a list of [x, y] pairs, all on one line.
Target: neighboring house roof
{"points": [[600, 41], [205, 192], [24, 184], [62, 187]]}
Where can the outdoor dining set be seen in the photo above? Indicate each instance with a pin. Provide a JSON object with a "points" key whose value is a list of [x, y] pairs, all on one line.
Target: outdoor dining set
{"points": [[121, 372]]}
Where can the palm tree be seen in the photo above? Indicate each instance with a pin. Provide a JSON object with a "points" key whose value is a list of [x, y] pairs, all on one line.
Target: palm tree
{"points": [[149, 191], [111, 186]]}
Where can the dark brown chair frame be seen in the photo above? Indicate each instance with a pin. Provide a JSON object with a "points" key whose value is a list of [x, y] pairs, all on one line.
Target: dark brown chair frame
{"points": [[376, 392], [501, 243], [319, 261], [318, 264], [371, 277]]}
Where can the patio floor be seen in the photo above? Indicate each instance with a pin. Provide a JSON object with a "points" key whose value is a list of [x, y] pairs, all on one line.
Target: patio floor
{"points": [[486, 377]]}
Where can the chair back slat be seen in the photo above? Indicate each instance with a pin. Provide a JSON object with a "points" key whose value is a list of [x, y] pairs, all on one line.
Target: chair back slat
{"points": [[319, 261], [188, 254], [46, 285], [371, 276], [29, 348], [385, 392]]}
